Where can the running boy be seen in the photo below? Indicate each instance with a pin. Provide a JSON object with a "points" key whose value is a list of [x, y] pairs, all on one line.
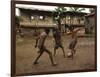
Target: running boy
{"points": [[73, 41], [42, 48]]}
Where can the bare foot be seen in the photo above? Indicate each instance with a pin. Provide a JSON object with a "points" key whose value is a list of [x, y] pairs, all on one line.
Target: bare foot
{"points": [[35, 63], [55, 64]]}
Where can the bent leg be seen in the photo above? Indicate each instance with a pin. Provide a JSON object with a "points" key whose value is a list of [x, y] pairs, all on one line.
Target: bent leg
{"points": [[63, 51], [50, 56], [36, 60], [55, 51]]}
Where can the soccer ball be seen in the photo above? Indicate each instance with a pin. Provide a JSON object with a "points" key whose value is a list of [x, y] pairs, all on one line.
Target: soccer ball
{"points": [[69, 54]]}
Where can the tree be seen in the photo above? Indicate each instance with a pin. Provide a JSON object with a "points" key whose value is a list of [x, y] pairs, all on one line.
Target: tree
{"points": [[92, 10], [58, 14], [76, 10]]}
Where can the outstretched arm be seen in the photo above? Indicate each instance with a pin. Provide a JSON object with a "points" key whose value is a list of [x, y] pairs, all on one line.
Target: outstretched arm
{"points": [[69, 33], [78, 29], [75, 31]]}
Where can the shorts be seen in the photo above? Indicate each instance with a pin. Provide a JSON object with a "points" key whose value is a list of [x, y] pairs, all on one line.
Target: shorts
{"points": [[57, 45]]}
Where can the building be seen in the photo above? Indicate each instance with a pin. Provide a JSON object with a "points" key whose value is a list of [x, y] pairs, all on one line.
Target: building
{"points": [[31, 18], [38, 18], [90, 23]]}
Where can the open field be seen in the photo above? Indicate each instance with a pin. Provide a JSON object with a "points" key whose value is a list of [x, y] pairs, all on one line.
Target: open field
{"points": [[26, 54]]}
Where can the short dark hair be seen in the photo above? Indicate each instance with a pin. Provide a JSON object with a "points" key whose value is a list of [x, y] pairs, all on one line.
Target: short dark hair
{"points": [[47, 31]]}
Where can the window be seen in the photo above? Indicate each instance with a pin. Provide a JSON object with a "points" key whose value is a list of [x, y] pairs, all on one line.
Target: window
{"points": [[32, 17], [41, 17]]}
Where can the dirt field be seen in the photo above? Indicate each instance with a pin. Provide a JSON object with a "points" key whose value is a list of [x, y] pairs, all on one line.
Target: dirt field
{"points": [[26, 54]]}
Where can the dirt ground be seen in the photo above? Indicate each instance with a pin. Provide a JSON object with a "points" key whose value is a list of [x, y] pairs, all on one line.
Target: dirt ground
{"points": [[26, 53]]}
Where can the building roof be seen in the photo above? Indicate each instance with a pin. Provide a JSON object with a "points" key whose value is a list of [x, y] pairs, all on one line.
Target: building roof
{"points": [[49, 12], [89, 15]]}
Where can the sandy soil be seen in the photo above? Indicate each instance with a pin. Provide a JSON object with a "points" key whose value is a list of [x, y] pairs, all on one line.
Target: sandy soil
{"points": [[26, 53]]}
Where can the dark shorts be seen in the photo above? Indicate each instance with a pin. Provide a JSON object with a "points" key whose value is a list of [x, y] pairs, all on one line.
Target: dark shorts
{"points": [[57, 45], [72, 44]]}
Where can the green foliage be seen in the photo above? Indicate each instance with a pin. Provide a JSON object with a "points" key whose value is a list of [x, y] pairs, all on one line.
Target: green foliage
{"points": [[92, 10], [58, 13], [18, 19], [76, 9]]}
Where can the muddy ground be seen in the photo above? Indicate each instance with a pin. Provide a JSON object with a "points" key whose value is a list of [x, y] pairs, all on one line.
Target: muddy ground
{"points": [[26, 53]]}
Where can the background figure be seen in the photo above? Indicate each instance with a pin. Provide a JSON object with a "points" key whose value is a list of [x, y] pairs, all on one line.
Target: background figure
{"points": [[18, 27], [58, 41], [73, 41], [66, 27], [40, 44]]}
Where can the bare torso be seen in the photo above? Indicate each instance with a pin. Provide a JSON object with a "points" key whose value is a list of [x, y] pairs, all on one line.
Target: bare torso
{"points": [[41, 40], [57, 37], [74, 36]]}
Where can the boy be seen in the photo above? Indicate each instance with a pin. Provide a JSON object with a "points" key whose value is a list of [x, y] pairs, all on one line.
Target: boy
{"points": [[58, 42], [73, 41], [40, 44]]}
